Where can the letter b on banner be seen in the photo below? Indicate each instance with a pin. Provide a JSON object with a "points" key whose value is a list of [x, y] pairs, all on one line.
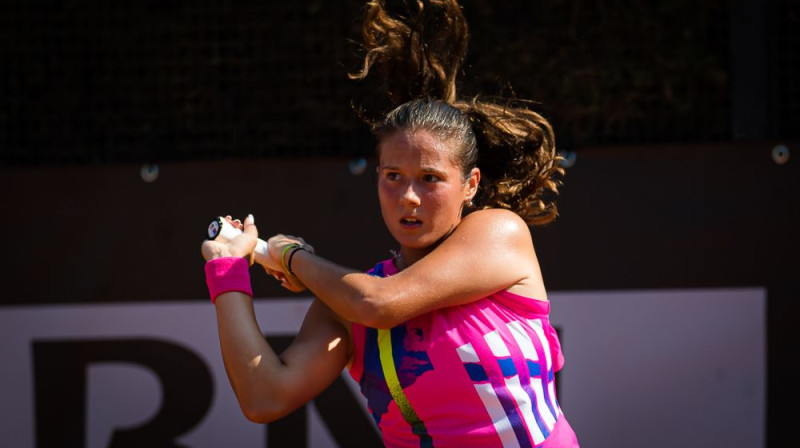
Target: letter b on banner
{"points": [[60, 377]]}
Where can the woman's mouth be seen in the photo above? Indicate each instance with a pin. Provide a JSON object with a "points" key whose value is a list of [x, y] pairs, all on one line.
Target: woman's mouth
{"points": [[410, 222]]}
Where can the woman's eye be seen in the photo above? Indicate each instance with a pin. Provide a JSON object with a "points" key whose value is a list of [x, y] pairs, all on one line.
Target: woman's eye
{"points": [[392, 176], [430, 178]]}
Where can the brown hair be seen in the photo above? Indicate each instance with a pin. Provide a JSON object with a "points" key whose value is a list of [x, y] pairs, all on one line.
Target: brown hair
{"points": [[419, 51]]}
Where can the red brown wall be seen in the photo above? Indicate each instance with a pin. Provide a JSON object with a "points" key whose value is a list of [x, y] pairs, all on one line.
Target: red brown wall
{"points": [[655, 217]]}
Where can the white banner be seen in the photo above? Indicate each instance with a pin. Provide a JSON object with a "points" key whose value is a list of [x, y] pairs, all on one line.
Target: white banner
{"points": [[644, 368]]}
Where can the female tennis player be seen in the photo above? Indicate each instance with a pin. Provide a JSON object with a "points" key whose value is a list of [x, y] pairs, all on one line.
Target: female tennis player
{"points": [[450, 340]]}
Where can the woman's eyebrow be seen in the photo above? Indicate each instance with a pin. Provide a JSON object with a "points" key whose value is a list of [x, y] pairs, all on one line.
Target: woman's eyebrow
{"points": [[426, 169], [433, 170]]}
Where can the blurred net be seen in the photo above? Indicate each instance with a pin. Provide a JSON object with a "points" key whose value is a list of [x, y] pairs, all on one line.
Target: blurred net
{"points": [[94, 81]]}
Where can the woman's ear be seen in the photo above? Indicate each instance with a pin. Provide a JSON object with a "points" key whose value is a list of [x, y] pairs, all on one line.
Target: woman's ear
{"points": [[471, 186]]}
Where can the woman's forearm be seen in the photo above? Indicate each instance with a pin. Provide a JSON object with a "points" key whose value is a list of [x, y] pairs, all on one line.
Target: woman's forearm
{"points": [[355, 296], [253, 367]]}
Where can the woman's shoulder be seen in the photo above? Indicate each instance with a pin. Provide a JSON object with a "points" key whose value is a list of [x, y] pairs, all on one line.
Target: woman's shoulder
{"points": [[503, 237], [500, 222], [498, 215]]}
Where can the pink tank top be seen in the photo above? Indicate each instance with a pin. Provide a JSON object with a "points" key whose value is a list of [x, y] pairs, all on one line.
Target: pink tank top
{"points": [[474, 375]]}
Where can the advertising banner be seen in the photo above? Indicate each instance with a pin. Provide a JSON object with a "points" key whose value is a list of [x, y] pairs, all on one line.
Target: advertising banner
{"points": [[659, 368]]}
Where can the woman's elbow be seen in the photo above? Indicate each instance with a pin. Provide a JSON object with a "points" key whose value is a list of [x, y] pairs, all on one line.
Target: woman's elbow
{"points": [[265, 403], [376, 313], [258, 416], [262, 411]]}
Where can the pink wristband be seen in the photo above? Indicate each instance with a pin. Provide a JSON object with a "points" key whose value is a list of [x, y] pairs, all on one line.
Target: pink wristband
{"points": [[228, 274]]}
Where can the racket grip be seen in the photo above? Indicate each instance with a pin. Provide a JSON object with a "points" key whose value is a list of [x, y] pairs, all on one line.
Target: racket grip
{"points": [[221, 230], [261, 252]]}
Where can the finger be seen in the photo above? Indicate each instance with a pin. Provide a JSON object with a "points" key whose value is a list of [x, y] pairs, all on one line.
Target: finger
{"points": [[302, 241], [278, 275], [250, 225], [237, 224], [291, 286], [306, 245]]}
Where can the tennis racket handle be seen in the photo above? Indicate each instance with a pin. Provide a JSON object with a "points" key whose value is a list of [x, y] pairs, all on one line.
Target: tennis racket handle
{"points": [[221, 230]]}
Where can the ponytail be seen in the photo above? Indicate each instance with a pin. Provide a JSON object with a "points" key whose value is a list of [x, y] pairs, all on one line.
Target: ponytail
{"points": [[418, 53], [518, 160]]}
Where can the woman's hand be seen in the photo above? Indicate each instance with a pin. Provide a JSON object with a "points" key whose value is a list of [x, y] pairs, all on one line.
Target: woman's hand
{"points": [[279, 246], [241, 246]]}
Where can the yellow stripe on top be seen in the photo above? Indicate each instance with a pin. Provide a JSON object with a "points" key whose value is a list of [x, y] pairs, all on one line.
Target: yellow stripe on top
{"points": [[390, 374]]}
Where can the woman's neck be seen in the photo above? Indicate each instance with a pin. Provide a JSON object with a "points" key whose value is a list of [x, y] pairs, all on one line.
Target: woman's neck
{"points": [[406, 256]]}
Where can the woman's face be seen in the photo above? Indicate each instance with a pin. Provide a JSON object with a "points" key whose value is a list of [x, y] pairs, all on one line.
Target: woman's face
{"points": [[421, 189]]}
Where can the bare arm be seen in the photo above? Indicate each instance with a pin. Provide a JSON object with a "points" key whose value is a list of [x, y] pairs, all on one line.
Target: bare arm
{"points": [[489, 251], [267, 385]]}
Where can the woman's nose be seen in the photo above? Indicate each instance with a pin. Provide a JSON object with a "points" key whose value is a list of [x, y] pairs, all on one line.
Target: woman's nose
{"points": [[410, 195]]}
